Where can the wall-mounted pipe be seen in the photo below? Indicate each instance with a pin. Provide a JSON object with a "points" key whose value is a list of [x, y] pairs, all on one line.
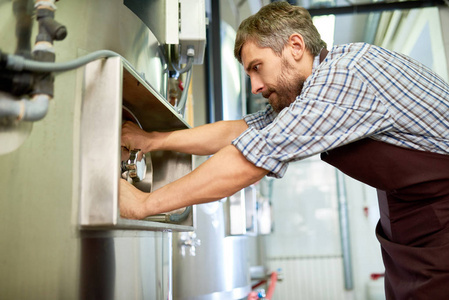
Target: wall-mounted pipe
{"points": [[274, 278], [36, 108], [25, 109], [374, 7], [19, 63], [177, 218], [190, 54], [23, 11], [180, 105], [39, 86], [182, 102], [171, 218], [49, 28]]}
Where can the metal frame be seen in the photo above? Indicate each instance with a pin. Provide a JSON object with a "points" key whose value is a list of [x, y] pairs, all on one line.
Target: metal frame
{"points": [[108, 85]]}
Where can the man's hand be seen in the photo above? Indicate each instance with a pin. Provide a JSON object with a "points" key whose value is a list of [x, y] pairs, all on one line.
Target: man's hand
{"points": [[133, 137], [132, 201], [220, 176]]}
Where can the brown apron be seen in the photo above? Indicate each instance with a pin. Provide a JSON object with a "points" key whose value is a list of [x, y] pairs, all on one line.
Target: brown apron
{"points": [[413, 193]]}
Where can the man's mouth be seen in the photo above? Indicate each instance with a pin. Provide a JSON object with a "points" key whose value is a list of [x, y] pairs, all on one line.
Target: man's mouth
{"points": [[267, 94]]}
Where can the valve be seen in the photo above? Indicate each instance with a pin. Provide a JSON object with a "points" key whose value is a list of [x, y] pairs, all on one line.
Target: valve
{"points": [[188, 240], [134, 169]]}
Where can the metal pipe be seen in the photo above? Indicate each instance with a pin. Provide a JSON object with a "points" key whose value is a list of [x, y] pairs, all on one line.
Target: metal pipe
{"points": [[374, 7], [10, 107], [36, 108], [182, 102], [25, 109], [344, 231], [188, 68], [173, 218], [190, 53], [158, 218], [213, 64], [176, 218], [23, 11]]}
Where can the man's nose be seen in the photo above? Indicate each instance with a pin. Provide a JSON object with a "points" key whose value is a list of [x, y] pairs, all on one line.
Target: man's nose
{"points": [[256, 86]]}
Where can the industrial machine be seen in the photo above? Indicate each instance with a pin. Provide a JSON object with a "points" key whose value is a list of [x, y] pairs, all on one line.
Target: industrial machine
{"points": [[65, 91]]}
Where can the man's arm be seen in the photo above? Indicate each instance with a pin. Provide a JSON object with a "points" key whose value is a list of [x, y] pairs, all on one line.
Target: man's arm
{"points": [[222, 175], [202, 140]]}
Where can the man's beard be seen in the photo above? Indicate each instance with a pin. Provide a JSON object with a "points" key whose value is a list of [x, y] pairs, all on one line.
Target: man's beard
{"points": [[289, 85]]}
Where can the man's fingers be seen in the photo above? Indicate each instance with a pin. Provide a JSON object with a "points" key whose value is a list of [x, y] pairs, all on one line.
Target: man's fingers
{"points": [[125, 154]]}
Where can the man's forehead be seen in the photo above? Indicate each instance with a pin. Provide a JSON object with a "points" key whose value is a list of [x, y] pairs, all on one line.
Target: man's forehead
{"points": [[250, 51], [246, 50]]}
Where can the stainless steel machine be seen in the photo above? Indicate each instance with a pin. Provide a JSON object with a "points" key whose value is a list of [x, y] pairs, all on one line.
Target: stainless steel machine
{"points": [[61, 235]]}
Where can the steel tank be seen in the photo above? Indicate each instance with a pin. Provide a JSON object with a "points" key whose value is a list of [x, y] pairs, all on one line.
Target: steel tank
{"points": [[218, 254], [218, 264], [45, 250]]}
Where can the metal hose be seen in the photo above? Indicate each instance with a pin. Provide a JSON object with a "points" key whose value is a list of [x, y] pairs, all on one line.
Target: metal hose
{"points": [[173, 218], [177, 218], [182, 102], [186, 68]]}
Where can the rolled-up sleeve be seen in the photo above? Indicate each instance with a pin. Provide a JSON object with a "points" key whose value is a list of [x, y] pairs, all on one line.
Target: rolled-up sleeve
{"points": [[260, 119], [257, 147]]}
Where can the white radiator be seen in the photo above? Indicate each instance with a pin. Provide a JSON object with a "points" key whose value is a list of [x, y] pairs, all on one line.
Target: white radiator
{"points": [[309, 278]]}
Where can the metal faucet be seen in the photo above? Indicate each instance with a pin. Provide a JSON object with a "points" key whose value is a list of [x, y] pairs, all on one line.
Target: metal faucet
{"points": [[133, 167]]}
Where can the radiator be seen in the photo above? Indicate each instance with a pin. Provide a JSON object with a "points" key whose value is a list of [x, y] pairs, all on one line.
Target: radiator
{"points": [[309, 278]]}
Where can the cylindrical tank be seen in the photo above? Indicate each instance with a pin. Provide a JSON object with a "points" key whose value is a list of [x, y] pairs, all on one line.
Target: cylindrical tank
{"points": [[218, 265], [43, 251]]}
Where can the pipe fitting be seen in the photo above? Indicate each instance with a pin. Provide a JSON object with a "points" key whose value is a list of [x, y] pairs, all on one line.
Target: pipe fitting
{"points": [[49, 4], [36, 108], [25, 109], [44, 82], [14, 82], [49, 28]]}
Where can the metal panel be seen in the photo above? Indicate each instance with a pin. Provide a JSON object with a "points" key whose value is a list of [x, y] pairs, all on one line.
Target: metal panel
{"points": [[161, 16], [100, 143], [125, 265], [100, 148]]}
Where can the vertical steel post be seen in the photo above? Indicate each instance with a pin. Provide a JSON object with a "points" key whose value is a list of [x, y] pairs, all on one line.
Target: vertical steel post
{"points": [[344, 231]]}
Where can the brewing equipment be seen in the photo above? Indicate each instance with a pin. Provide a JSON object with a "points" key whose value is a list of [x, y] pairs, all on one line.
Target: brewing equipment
{"points": [[61, 233]]}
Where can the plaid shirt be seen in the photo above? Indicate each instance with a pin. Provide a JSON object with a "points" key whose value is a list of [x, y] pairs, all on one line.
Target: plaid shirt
{"points": [[358, 91]]}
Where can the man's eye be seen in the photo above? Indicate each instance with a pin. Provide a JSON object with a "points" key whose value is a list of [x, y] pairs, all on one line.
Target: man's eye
{"points": [[256, 68]]}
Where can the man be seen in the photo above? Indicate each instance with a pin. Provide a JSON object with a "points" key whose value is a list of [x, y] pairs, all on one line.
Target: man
{"points": [[377, 115]]}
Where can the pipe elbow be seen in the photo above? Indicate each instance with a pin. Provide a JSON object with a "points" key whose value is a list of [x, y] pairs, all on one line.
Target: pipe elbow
{"points": [[36, 108], [25, 109], [10, 107]]}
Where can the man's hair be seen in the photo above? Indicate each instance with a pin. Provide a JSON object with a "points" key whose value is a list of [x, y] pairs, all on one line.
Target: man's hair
{"points": [[272, 26]]}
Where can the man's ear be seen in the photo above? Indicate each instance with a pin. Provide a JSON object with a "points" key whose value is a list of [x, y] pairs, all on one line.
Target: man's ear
{"points": [[297, 45]]}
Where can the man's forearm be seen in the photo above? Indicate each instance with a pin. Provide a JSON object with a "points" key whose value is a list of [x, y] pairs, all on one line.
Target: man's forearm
{"points": [[222, 175], [202, 140]]}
